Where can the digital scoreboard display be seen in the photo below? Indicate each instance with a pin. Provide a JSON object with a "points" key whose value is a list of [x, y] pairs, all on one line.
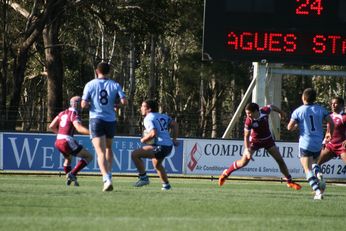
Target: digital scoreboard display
{"points": [[279, 31]]}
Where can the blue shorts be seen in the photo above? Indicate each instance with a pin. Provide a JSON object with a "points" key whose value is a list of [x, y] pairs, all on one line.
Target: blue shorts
{"points": [[307, 153], [161, 152], [100, 128]]}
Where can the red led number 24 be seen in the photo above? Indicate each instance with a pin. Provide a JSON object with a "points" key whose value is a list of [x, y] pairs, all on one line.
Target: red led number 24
{"points": [[308, 7]]}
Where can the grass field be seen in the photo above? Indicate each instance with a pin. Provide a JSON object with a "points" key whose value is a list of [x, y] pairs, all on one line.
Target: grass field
{"points": [[45, 203]]}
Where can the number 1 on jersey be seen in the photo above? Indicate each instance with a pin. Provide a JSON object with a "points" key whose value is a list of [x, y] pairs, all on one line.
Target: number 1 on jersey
{"points": [[312, 123]]}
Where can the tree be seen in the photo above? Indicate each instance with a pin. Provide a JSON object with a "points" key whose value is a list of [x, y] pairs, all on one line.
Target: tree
{"points": [[35, 23], [55, 72], [4, 63]]}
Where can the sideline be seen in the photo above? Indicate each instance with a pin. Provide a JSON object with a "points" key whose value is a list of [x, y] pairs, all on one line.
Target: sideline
{"points": [[338, 182]]}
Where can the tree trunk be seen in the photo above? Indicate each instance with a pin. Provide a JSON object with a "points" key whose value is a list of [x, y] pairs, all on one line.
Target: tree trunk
{"points": [[32, 32], [132, 88], [214, 113], [18, 77], [54, 64], [202, 113], [152, 79], [4, 66]]}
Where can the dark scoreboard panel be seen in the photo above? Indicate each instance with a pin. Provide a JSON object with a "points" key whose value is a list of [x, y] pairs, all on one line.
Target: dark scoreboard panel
{"points": [[281, 31]]}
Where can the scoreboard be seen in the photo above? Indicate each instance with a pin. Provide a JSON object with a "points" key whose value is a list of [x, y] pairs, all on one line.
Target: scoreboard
{"points": [[279, 31]]}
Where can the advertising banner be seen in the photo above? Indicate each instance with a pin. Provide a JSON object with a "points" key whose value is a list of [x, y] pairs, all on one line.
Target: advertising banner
{"points": [[33, 151], [36, 152], [211, 157]]}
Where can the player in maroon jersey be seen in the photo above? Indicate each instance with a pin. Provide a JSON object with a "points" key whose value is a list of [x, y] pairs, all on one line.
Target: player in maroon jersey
{"points": [[336, 147], [64, 125], [257, 135]]}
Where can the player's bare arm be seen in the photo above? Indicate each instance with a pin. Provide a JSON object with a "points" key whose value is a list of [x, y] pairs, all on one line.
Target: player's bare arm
{"points": [[278, 110], [327, 136], [330, 130], [247, 152], [123, 101], [54, 125], [84, 104], [150, 135], [80, 128], [174, 130], [292, 125], [344, 143]]}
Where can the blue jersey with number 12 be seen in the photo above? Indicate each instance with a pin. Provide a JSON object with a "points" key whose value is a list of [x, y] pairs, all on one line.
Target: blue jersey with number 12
{"points": [[160, 122], [101, 94], [310, 121]]}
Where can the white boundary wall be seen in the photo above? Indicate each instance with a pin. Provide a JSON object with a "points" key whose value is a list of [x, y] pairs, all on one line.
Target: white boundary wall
{"points": [[29, 151], [211, 157]]}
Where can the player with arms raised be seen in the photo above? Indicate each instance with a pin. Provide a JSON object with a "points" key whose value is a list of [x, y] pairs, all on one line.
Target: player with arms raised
{"points": [[64, 125]]}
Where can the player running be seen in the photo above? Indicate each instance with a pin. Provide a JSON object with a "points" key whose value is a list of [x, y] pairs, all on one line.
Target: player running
{"points": [[257, 135], [101, 96], [64, 125], [309, 118], [158, 128]]}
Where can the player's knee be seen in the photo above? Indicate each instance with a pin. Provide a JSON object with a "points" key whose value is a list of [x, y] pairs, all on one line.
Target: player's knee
{"points": [[85, 155], [89, 158], [157, 163], [158, 166], [134, 154], [246, 162], [243, 162]]}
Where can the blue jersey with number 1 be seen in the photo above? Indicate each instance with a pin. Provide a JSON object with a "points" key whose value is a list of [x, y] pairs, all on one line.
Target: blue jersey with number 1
{"points": [[310, 122], [101, 94]]}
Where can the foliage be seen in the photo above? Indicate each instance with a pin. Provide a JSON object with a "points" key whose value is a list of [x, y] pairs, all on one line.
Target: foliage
{"points": [[166, 40]]}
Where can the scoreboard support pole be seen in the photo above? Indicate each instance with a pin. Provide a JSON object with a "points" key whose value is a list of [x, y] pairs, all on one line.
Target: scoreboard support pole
{"points": [[281, 71], [273, 95], [265, 89], [260, 74], [268, 91], [238, 112]]}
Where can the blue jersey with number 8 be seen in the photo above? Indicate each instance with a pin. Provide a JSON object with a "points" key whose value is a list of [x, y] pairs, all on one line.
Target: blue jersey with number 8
{"points": [[102, 94]]}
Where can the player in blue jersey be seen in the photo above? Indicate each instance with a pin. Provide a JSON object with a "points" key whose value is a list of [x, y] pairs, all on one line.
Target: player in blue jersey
{"points": [[309, 119], [158, 142], [100, 96]]}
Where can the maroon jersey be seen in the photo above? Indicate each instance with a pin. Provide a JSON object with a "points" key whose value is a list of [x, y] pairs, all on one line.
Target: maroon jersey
{"points": [[65, 142], [335, 144], [66, 119], [339, 134], [259, 127]]}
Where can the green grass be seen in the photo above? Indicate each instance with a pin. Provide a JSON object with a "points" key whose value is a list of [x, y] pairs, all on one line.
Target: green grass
{"points": [[45, 203]]}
